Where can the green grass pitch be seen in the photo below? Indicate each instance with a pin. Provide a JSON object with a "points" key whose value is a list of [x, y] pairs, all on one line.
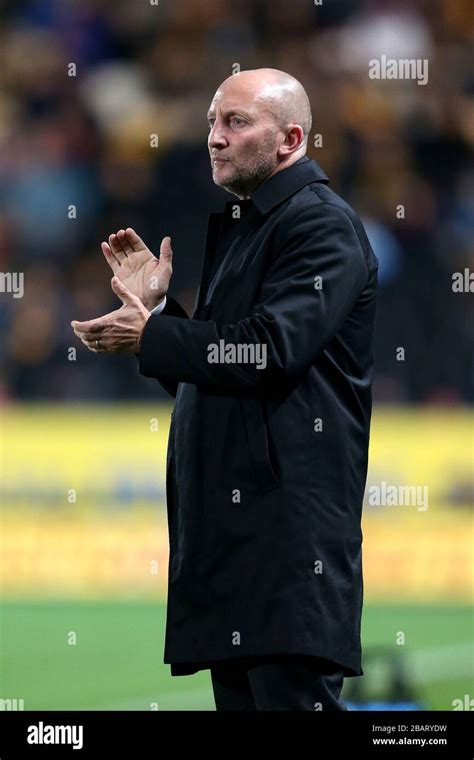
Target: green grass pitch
{"points": [[116, 663]]}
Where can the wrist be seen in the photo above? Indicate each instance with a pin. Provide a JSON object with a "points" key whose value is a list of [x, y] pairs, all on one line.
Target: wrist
{"points": [[158, 309], [139, 339], [152, 303]]}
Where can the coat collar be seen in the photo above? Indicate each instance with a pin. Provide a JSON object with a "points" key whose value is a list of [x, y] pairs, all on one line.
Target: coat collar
{"points": [[286, 183]]}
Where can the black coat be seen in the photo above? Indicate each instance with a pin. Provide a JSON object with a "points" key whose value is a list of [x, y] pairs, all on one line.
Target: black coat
{"points": [[267, 457]]}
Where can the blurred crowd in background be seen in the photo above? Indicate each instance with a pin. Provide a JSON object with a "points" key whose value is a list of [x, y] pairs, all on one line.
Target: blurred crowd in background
{"points": [[144, 68]]}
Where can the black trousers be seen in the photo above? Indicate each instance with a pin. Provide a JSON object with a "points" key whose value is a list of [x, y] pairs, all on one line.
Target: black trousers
{"points": [[290, 682]]}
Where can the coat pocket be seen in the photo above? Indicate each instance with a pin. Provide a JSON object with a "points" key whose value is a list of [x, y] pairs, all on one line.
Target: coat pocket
{"points": [[258, 441]]}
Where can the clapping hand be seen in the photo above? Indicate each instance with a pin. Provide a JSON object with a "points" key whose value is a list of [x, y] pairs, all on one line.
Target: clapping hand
{"points": [[137, 268]]}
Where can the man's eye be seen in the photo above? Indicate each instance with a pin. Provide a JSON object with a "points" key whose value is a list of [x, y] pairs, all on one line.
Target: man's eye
{"points": [[235, 120]]}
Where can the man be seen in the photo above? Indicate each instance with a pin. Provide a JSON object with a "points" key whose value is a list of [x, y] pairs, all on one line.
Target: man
{"points": [[267, 455]]}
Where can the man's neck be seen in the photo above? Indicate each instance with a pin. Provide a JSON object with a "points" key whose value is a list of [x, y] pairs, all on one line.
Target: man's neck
{"points": [[279, 168]]}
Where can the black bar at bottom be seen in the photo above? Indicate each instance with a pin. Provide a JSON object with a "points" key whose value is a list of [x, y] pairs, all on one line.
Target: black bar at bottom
{"points": [[147, 734]]}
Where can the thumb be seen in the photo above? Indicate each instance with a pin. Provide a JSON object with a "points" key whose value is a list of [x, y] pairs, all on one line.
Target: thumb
{"points": [[122, 291], [166, 252]]}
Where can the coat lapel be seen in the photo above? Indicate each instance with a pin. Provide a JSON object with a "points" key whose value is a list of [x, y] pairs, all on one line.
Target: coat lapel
{"points": [[212, 236]]}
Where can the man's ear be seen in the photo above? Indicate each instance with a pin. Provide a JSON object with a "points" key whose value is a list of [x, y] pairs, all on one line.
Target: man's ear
{"points": [[293, 141]]}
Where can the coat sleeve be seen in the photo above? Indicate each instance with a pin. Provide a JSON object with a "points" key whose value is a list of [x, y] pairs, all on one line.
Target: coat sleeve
{"points": [[171, 308], [317, 273]]}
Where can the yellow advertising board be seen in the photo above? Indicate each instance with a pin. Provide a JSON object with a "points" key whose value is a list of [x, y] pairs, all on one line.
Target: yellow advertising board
{"points": [[84, 512]]}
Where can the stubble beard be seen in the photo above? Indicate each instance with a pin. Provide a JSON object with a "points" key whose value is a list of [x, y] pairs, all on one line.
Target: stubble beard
{"points": [[245, 179]]}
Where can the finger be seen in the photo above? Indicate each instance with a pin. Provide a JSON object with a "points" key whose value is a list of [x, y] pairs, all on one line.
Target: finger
{"points": [[92, 326], [92, 346], [112, 261], [87, 337], [166, 252], [123, 292], [120, 235], [124, 242], [116, 247], [134, 240]]}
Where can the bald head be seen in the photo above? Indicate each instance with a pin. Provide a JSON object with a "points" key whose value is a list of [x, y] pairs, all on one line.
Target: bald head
{"points": [[280, 94], [259, 124]]}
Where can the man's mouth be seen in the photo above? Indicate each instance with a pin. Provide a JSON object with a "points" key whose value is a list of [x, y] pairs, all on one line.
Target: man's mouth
{"points": [[220, 160]]}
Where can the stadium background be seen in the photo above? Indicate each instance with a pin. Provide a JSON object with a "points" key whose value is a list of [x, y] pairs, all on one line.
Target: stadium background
{"points": [[83, 537]]}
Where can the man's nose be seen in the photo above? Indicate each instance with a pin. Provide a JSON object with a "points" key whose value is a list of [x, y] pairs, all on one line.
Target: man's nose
{"points": [[217, 137]]}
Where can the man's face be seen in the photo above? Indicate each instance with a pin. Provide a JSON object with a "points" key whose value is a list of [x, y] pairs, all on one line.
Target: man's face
{"points": [[243, 139]]}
